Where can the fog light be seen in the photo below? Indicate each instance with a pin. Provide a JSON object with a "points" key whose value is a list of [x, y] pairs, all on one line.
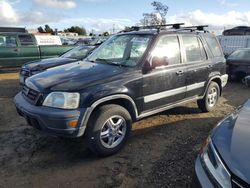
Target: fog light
{"points": [[72, 123]]}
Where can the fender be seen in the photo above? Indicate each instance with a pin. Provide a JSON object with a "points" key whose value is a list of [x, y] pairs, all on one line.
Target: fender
{"points": [[209, 81], [90, 109]]}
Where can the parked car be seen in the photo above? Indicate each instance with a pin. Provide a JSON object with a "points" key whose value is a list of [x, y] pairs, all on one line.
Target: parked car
{"points": [[19, 48], [224, 158], [34, 67], [130, 76], [91, 41], [240, 30], [86, 41], [246, 81], [238, 64]]}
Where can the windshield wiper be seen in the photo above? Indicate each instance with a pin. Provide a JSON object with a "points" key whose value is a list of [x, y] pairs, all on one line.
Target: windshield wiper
{"points": [[107, 61]]}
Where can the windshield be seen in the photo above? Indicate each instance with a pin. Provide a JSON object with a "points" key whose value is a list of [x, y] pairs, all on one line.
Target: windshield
{"points": [[79, 52], [240, 54], [124, 50]]}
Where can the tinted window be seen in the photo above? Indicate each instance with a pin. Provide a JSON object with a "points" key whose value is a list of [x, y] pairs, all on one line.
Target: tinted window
{"points": [[7, 41], [25, 40], [192, 48], [168, 46], [213, 45], [240, 54]]}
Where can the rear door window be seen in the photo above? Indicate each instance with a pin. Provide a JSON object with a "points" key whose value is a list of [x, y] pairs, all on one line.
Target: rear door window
{"points": [[25, 40], [193, 48], [8, 41]]}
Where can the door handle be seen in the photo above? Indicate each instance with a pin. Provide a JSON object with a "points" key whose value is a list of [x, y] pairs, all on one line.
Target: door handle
{"points": [[16, 50], [180, 72]]}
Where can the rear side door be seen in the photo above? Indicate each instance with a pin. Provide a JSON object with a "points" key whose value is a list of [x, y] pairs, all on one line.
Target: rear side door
{"points": [[166, 84], [197, 64], [28, 50], [9, 54]]}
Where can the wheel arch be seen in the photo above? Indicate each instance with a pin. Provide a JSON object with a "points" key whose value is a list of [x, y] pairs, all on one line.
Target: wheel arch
{"points": [[121, 99], [216, 79]]}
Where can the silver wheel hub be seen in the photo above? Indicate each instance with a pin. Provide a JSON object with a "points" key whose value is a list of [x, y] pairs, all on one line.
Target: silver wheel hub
{"points": [[212, 97], [113, 131]]}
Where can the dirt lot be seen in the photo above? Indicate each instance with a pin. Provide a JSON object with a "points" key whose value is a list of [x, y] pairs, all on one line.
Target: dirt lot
{"points": [[160, 152]]}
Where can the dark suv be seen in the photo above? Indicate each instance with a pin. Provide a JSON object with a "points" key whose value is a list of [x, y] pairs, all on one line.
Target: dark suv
{"points": [[130, 76]]}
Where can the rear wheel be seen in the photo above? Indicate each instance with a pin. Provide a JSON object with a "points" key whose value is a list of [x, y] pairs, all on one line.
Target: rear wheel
{"points": [[108, 129], [210, 100]]}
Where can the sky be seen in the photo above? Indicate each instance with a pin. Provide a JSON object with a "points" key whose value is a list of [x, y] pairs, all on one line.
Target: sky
{"points": [[104, 15]]}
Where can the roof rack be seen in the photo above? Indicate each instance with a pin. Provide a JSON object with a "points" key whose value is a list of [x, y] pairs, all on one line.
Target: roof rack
{"points": [[194, 28], [158, 27], [175, 27]]}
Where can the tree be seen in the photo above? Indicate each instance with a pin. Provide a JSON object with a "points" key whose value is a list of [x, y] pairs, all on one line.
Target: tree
{"points": [[105, 33], [76, 29], [161, 9], [48, 29], [40, 29], [157, 17]]}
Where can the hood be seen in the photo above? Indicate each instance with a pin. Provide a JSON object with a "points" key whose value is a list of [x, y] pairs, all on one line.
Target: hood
{"points": [[74, 76], [232, 138], [43, 64]]}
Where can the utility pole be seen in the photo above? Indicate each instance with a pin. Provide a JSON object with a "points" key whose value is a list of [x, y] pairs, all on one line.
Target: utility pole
{"points": [[113, 28]]}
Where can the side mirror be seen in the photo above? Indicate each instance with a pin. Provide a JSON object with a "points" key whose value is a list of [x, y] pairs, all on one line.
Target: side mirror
{"points": [[159, 61]]}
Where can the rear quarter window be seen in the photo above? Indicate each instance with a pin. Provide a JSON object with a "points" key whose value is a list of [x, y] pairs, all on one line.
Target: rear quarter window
{"points": [[213, 45], [25, 40]]}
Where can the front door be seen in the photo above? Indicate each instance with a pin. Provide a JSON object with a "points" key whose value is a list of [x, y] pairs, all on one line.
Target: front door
{"points": [[166, 84], [28, 49], [9, 52]]}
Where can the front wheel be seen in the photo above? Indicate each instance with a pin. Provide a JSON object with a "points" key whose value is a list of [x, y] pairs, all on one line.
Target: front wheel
{"points": [[108, 129], [210, 99]]}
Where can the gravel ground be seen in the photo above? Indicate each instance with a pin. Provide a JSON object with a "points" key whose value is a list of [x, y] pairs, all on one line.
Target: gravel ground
{"points": [[160, 152]]}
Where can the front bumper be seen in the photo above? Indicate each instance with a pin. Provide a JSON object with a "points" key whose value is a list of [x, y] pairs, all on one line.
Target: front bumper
{"points": [[200, 178], [51, 120], [224, 79]]}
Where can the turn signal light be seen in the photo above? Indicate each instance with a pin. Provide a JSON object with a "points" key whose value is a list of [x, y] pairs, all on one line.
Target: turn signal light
{"points": [[72, 123]]}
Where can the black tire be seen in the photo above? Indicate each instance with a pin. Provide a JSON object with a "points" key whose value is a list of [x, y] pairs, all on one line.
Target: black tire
{"points": [[98, 123], [206, 104]]}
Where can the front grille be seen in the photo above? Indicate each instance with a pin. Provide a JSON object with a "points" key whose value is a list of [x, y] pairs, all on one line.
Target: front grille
{"points": [[32, 95]]}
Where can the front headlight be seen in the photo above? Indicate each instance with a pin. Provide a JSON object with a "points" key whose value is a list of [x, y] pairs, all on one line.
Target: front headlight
{"points": [[214, 166], [63, 100]]}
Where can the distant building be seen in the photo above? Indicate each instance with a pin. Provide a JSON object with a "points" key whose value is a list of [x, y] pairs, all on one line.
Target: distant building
{"points": [[67, 34]]}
